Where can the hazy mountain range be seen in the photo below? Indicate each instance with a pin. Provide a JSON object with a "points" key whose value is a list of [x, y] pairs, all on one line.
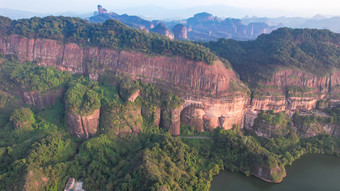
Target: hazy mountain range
{"points": [[202, 26]]}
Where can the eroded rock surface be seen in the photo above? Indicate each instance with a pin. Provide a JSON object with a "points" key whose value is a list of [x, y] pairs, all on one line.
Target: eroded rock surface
{"points": [[180, 32], [41, 100], [83, 127], [208, 85]]}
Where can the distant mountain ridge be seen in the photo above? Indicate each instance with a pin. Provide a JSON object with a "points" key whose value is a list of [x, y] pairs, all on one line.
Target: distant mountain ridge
{"points": [[317, 22], [202, 26]]}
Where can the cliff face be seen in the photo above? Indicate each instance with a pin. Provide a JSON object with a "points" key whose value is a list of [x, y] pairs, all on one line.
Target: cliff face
{"points": [[209, 80], [291, 77], [41, 100], [318, 88], [180, 32], [280, 96], [209, 100], [208, 113], [170, 120], [195, 82], [83, 127]]}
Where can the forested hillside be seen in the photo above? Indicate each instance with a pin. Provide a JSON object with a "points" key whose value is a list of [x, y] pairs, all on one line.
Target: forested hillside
{"points": [[310, 50], [111, 34]]}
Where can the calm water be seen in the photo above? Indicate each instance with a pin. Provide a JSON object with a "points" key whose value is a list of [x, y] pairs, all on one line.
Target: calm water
{"points": [[310, 173]]}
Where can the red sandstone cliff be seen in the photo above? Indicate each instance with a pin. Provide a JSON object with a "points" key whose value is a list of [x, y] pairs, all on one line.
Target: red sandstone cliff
{"points": [[83, 127], [209, 80], [195, 82], [277, 96], [209, 99]]}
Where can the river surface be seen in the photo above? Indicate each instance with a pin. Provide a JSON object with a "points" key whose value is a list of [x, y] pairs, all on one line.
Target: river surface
{"points": [[310, 173]]}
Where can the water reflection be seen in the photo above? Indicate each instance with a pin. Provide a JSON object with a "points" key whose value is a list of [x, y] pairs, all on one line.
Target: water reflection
{"points": [[310, 173]]}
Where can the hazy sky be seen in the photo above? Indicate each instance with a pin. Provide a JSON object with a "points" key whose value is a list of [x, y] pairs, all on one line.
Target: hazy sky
{"points": [[298, 7]]}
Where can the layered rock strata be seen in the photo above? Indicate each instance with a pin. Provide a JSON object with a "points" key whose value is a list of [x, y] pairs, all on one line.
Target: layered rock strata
{"points": [[208, 85], [278, 96], [83, 127], [209, 99]]}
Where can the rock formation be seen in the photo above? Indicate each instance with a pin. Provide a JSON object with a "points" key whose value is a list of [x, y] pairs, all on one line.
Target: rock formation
{"points": [[100, 9], [83, 127], [197, 83], [41, 100], [274, 174], [209, 93], [180, 32], [201, 18], [133, 21], [170, 120], [279, 97], [162, 29]]}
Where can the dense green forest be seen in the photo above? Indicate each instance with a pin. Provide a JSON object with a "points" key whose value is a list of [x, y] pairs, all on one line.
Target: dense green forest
{"points": [[111, 34], [311, 50], [31, 77]]}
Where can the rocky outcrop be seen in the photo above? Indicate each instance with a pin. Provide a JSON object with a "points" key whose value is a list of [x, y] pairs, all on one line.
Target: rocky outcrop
{"points": [[170, 120], [318, 123], [291, 90], [276, 103], [180, 32], [273, 175], [318, 88], [83, 127], [201, 18], [162, 29], [301, 103], [293, 77], [42, 100], [133, 21], [206, 113], [193, 115], [316, 129]]}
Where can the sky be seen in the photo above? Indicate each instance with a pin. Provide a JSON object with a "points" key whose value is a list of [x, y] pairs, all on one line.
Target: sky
{"points": [[306, 8]]}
